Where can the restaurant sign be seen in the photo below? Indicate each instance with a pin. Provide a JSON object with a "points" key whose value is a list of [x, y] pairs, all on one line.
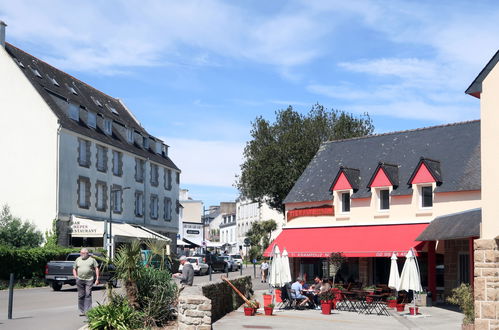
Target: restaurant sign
{"points": [[82, 227]]}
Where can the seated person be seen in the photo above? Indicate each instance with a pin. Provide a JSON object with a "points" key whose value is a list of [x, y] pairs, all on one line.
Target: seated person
{"points": [[296, 292], [317, 283]]}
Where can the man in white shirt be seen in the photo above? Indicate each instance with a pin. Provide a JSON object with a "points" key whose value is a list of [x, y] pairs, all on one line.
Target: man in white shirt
{"points": [[264, 267]]}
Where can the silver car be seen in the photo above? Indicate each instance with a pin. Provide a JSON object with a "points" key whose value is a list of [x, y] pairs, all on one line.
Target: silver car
{"points": [[200, 268], [238, 259], [233, 266]]}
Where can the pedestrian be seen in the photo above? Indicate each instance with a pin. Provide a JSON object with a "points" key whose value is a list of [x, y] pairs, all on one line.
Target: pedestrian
{"points": [[187, 275], [84, 269], [264, 267]]}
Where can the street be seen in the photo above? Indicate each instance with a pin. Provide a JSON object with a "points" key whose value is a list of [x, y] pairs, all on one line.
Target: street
{"points": [[42, 308]]}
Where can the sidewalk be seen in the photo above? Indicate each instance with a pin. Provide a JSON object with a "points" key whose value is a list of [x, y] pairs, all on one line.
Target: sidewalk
{"points": [[431, 318]]}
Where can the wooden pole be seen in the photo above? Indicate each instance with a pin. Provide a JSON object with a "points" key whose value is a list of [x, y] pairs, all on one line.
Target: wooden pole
{"points": [[236, 290]]}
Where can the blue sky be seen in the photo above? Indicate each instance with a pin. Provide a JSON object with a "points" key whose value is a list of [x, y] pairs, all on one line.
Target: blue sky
{"points": [[196, 73]]}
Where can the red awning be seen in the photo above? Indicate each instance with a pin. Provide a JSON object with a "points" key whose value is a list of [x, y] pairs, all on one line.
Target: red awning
{"points": [[353, 241]]}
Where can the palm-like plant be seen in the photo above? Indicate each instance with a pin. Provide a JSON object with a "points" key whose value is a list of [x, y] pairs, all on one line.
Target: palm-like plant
{"points": [[127, 269], [159, 249]]}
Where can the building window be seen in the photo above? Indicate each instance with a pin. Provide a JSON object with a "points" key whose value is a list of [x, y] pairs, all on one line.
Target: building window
{"points": [[108, 126], [74, 111], [168, 209], [84, 153], [91, 119], [177, 179], [168, 179], [117, 198], [177, 206], [129, 135], [464, 268], [154, 207], [345, 202], [139, 203], [83, 192], [117, 163], [427, 196], [145, 142], [384, 199], [139, 170], [101, 196], [154, 175], [101, 159]]}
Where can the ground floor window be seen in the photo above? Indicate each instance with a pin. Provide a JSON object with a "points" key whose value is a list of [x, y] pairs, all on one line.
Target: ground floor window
{"points": [[464, 268]]}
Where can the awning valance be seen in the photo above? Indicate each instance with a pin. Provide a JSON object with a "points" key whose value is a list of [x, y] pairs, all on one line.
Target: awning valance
{"points": [[351, 241], [453, 226]]}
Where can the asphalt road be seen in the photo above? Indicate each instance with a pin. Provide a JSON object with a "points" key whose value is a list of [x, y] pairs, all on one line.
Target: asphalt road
{"points": [[42, 308]]}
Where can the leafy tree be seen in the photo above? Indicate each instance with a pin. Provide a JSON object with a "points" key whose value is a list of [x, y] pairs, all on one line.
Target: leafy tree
{"points": [[279, 152], [52, 236], [17, 233], [259, 235]]}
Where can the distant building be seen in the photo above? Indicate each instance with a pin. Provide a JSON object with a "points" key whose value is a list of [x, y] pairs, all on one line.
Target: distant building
{"points": [[191, 224]]}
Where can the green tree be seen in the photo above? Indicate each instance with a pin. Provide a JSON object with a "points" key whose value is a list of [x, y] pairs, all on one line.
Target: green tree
{"points": [[259, 235], [17, 233], [279, 152]]}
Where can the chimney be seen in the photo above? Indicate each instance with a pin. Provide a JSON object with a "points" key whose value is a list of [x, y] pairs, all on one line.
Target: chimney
{"points": [[2, 33]]}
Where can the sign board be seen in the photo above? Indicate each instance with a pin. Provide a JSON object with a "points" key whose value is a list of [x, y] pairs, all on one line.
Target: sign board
{"points": [[193, 232], [82, 228], [247, 242]]}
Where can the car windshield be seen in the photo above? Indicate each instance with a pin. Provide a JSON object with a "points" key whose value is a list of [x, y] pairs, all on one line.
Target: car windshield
{"points": [[236, 256], [225, 257], [192, 260]]}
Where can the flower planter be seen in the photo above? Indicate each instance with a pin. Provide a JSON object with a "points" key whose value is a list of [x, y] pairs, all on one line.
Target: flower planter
{"points": [[392, 303], [326, 307], [268, 310], [467, 326], [413, 310], [249, 311], [369, 299], [400, 307], [254, 310], [267, 299]]}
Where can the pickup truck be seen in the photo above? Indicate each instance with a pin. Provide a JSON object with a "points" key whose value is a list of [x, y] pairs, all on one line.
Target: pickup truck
{"points": [[58, 273], [218, 263]]}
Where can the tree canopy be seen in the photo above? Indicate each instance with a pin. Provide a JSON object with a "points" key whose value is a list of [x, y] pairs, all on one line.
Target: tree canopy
{"points": [[279, 152], [17, 233], [259, 235]]}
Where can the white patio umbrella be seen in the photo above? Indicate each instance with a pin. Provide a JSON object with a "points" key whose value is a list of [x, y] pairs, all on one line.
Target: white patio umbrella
{"points": [[275, 268], [410, 279], [394, 279], [285, 271]]}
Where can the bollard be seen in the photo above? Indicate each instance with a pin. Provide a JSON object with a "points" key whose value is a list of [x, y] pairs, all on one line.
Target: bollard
{"points": [[227, 271], [11, 295], [254, 270], [209, 271], [241, 270]]}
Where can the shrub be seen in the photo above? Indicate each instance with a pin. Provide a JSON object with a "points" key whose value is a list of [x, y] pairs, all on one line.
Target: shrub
{"points": [[27, 263], [16, 233], [463, 297], [157, 295], [118, 314]]}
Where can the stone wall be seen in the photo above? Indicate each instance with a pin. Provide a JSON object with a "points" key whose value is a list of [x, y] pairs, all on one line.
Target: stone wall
{"points": [[453, 248], [486, 284], [194, 310]]}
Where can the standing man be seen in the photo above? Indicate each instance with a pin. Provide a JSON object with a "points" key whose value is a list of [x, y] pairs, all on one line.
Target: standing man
{"points": [[265, 270], [84, 268], [187, 275]]}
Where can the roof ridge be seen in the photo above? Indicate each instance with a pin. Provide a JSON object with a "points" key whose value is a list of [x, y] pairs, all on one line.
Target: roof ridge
{"points": [[73, 77], [403, 131]]}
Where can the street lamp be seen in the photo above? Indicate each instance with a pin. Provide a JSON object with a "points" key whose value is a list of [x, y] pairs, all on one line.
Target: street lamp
{"points": [[109, 236]]}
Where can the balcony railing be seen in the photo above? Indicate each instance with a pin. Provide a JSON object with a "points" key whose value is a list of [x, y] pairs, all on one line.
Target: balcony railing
{"points": [[326, 210]]}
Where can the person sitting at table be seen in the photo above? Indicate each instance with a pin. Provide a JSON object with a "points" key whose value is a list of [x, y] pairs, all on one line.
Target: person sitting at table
{"points": [[317, 283], [296, 292]]}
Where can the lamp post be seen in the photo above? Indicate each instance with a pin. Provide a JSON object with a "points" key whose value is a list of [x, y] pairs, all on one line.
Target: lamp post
{"points": [[109, 236]]}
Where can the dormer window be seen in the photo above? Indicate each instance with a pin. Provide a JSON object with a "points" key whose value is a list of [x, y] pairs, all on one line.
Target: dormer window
{"points": [[97, 102], [129, 135], [164, 150], [20, 64], [426, 196], [91, 119], [112, 109], [108, 126], [345, 202], [145, 142], [53, 81], [384, 199], [158, 147], [74, 111], [36, 72], [72, 89]]}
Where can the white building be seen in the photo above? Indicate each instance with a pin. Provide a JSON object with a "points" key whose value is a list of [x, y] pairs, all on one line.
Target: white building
{"points": [[228, 233], [249, 212], [73, 153], [191, 225]]}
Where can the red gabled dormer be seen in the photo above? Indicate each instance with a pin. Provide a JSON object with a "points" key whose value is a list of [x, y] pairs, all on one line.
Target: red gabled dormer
{"points": [[385, 175], [346, 179], [427, 171]]}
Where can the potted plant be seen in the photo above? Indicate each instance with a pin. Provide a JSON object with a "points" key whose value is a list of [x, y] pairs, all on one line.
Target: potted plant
{"points": [[269, 309], [250, 307], [400, 307], [463, 297], [335, 261], [392, 301], [413, 310], [326, 299]]}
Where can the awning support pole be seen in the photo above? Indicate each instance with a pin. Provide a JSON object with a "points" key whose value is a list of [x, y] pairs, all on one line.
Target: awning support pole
{"points": [[472, 262], [432, 267]]}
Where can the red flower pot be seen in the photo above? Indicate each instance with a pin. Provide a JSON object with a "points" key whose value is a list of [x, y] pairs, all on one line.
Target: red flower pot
{"points": [[268, 310], [267, 299], [400, 307], [326, 307], [413, 310], [249, 311], [369, 299], [392, 303]]}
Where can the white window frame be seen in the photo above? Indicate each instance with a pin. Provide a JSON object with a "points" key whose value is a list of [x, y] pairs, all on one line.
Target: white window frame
{"points": [[117, 195], [168, 209], [108, 126], [82, 196], [154, 207], [139, 203], [340, 201], [420, 192], [129, 135], [379, 201], [91, 122], [116, 163], [74, 111]]}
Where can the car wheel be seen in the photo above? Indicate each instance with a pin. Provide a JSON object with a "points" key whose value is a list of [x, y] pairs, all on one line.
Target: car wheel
{"points": [[56, 286]]}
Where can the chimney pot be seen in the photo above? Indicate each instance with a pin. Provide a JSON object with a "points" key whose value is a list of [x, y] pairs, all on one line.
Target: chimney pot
{"points": [[2, 33]]}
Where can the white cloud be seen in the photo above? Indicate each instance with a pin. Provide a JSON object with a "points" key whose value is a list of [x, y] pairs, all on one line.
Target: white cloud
{"points": [[401, 67], [211, 163]]}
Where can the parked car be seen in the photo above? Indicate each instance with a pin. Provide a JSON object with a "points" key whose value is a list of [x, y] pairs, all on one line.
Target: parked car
{"points": [[232, 264], [200, 267], [238, 259], [58, 273]]}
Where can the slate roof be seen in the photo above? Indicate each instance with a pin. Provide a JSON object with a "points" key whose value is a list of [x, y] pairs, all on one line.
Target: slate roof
{"points": [[453, 226], [475, 88], [455, 146], [57, 96]]}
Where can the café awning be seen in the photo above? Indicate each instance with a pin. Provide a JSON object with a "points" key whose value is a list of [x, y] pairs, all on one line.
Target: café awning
{"points": [[351, 241]]}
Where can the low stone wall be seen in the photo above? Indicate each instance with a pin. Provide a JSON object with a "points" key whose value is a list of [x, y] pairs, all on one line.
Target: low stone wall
{"points": [[486, 284], [194, 310], [223, 299]]}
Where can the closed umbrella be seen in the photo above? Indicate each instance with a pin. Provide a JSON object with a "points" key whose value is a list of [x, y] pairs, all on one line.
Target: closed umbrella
{"points": [[285, 271], [275, 265], [394, 280], [410, 278]]}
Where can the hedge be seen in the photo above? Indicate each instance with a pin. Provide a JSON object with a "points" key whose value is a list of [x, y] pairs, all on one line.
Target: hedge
{"points": [[29, 262]]}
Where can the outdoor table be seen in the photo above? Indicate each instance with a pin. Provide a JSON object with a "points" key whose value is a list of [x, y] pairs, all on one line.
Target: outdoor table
{"points": [[376, 305], [350, 299]]}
